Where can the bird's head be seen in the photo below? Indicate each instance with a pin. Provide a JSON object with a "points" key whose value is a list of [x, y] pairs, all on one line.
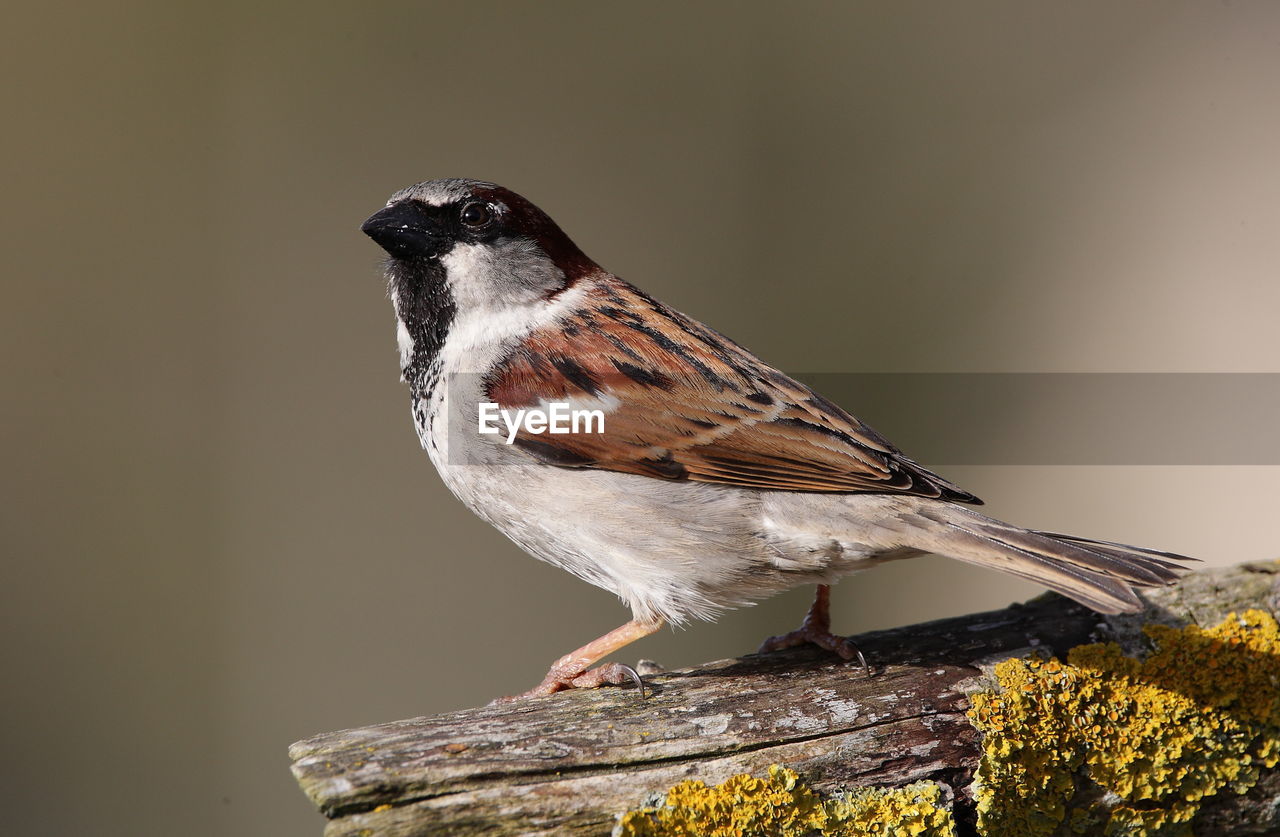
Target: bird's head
{"points": [[469, 247]]}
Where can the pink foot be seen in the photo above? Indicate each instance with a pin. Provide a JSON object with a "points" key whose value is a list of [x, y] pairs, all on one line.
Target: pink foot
{"points": [[558, 680], [816, 630]]}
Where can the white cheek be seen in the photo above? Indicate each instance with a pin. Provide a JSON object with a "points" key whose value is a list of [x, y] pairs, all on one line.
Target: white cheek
{"points": [[494, 277], [470, 277], [464, 259]]}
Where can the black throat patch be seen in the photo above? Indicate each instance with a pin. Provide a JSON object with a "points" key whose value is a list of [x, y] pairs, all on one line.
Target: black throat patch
{"points": [[427, 310]]}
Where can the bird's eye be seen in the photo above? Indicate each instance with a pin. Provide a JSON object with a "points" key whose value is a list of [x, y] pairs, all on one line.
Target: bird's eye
{"points": [[476, 214]]}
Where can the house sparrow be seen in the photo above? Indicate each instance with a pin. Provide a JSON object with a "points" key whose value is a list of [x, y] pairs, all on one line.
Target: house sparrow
{"points": [[716, 480]]}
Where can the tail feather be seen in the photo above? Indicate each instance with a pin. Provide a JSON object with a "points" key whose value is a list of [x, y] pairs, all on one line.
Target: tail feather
{"points": [[1155, 558], [1099, 574]]}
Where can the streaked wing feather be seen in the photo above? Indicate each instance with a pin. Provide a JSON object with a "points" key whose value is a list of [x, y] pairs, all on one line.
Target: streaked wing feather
{"points": [[684, 402]]}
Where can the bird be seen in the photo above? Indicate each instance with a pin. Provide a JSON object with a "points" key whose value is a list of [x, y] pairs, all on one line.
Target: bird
{"points": [[710, 480]]}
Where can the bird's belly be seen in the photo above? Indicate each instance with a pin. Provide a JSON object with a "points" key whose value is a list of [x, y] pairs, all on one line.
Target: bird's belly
{"points": [[669, 549]]}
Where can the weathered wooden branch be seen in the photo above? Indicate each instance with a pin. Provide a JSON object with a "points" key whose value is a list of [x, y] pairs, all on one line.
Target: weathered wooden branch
{"points": [[569, 764]]}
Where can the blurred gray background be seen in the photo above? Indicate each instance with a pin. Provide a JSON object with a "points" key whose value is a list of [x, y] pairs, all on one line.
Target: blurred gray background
{"points": [[219, 533]]}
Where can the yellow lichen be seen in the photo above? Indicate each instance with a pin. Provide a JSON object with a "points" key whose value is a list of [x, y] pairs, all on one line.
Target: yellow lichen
{"points": [[781, 805], [917, 810], [1108, 744]]}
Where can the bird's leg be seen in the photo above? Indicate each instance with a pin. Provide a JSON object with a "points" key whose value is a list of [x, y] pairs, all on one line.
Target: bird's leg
{"points": [[816, 630], [572, 671]]}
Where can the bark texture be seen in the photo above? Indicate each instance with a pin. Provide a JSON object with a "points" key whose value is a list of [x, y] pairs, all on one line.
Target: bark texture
{"points": [[572, 762]]}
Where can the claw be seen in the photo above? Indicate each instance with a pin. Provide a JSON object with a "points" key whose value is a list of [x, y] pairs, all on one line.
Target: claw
{"points": [[816, 630], [635, 678], [571, 671], [808, 635], [862, 660]]}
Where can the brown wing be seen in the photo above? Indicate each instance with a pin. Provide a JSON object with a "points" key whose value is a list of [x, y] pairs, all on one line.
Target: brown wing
{"points": [[683, 402]]}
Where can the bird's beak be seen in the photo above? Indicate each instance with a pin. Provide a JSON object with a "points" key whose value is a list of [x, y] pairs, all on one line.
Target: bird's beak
{"points": [[405, 230]]}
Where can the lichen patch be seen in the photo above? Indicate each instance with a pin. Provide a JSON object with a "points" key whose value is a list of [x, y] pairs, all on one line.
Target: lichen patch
{"points": [[781, 805], [1108, 744]]}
